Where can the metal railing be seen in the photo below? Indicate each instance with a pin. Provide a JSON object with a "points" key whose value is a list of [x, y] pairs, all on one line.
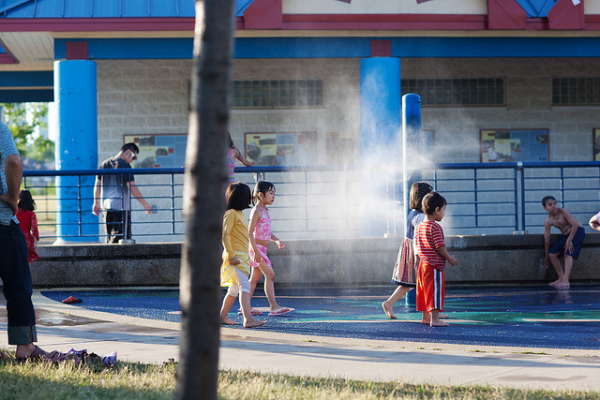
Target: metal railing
{"points": [[321, 202]]}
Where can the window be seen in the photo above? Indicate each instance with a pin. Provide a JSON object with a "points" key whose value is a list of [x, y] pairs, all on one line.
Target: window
{"points": [[457, 92], [575, 91], [278, 94]]}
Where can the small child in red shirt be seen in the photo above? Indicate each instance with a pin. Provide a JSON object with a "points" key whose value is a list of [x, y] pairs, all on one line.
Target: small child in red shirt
{"points": [[431, 248], [28, 223]]}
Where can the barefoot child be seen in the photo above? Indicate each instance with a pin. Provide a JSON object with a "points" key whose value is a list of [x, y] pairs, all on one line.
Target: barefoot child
{"points": [[235, 269], [568, 244], [260, 235], [28, 223], [407, 263], [431, 248]]}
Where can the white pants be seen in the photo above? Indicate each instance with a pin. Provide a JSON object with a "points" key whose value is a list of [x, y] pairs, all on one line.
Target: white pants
{"points": [[241, 284]]}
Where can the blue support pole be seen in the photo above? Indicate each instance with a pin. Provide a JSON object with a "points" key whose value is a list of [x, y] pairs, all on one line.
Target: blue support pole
{"points": [[411, 144], [75, 93], [379, 107], [380, 124]]}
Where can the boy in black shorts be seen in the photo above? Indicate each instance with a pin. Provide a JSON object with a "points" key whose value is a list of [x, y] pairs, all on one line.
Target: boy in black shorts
{"points": [[568, 244]]}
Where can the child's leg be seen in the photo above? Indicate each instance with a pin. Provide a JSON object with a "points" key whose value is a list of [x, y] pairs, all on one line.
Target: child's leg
{"points": [[435, 319], [389, 303], [249, 321], [426, 318], [564, 283], [556, 264], [227, 304], [269, 285], [254, 278]]}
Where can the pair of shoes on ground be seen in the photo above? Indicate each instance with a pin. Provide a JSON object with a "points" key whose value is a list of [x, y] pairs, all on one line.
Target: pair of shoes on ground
{"points": [[77, 356], [36, 354], [281, 311], [71, 300], [276, 313], [253, 312], [41, 355]]}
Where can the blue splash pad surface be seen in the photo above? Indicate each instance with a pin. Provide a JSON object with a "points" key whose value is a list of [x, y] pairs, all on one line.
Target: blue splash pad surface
{"points": [[528, 316]]}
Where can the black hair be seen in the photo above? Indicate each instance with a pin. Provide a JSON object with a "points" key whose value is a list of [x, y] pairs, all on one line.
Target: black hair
{"points": [[418, 190], [238, 196], [545, 200], [261, 187], [231, 145], [26, 202], [432, 201], [130, 146]]}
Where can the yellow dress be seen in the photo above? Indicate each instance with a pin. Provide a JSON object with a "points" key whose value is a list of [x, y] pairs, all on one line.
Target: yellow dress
{"points": [[235, 243]]}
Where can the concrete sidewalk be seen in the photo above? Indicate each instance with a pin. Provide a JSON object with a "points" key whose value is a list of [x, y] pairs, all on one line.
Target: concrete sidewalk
{"points": [[62, 327]]}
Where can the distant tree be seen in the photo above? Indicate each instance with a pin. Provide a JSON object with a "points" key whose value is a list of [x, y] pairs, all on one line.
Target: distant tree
{"points": [[204, 205], [23, 119]]}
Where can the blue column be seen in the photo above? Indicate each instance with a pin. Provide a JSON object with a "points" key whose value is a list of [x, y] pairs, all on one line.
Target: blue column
{"points": [[379, 108], [380, 124], [75, 93], [411, 144]]}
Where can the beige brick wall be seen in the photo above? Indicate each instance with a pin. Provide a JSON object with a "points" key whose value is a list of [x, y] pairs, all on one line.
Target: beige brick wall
{"points": [[143, 96], [151, 97], [138, 96]]}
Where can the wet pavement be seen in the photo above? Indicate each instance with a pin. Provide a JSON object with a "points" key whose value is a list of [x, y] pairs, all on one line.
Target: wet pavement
{"points": [[519, 316], [517, 336]]}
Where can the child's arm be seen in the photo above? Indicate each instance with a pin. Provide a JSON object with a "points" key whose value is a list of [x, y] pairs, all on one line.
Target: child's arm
{"points": [[277, 241], [239, 156], [574, 225], [594, 223], [546, 242], [254, 217], [228, 222], [444, 253]]}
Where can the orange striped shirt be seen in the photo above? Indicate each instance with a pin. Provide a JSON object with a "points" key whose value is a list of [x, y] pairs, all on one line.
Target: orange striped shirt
{"points": [[428, 237]]}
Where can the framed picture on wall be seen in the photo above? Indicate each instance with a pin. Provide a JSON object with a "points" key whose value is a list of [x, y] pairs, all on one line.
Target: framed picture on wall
{"points": [[514, 145], [158, 150], [281, 148], [596, 144]]}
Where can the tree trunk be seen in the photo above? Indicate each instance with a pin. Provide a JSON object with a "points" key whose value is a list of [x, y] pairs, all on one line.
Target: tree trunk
{"points": [[204, 201]]}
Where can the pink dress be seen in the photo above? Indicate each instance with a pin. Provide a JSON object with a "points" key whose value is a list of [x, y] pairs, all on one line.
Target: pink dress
{"points": [[262, 231]]}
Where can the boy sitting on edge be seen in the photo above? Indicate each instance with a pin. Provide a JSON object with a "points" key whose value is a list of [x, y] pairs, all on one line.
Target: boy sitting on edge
{"points": [[568, 244]]}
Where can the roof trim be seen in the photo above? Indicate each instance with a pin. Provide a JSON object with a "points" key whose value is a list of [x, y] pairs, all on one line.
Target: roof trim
{"points": [[408, 22], [6, 57], [13, 5], [97, 24]]}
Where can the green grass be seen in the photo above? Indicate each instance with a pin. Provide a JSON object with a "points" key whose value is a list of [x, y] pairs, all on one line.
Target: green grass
{"points": [[39, 380], [240, 385]]}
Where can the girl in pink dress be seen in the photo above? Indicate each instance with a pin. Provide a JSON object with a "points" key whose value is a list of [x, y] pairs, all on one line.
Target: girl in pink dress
{"points": [[28, 223], [260, 234]]}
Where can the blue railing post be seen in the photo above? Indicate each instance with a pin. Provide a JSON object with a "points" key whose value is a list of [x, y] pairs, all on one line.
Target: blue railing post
{"points": [[173, 203], [476, 198], [522, 171]]}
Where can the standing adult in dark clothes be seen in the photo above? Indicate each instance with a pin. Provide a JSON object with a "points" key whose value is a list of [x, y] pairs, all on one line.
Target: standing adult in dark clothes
{"points": [[115, 192], [14, 268]]}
